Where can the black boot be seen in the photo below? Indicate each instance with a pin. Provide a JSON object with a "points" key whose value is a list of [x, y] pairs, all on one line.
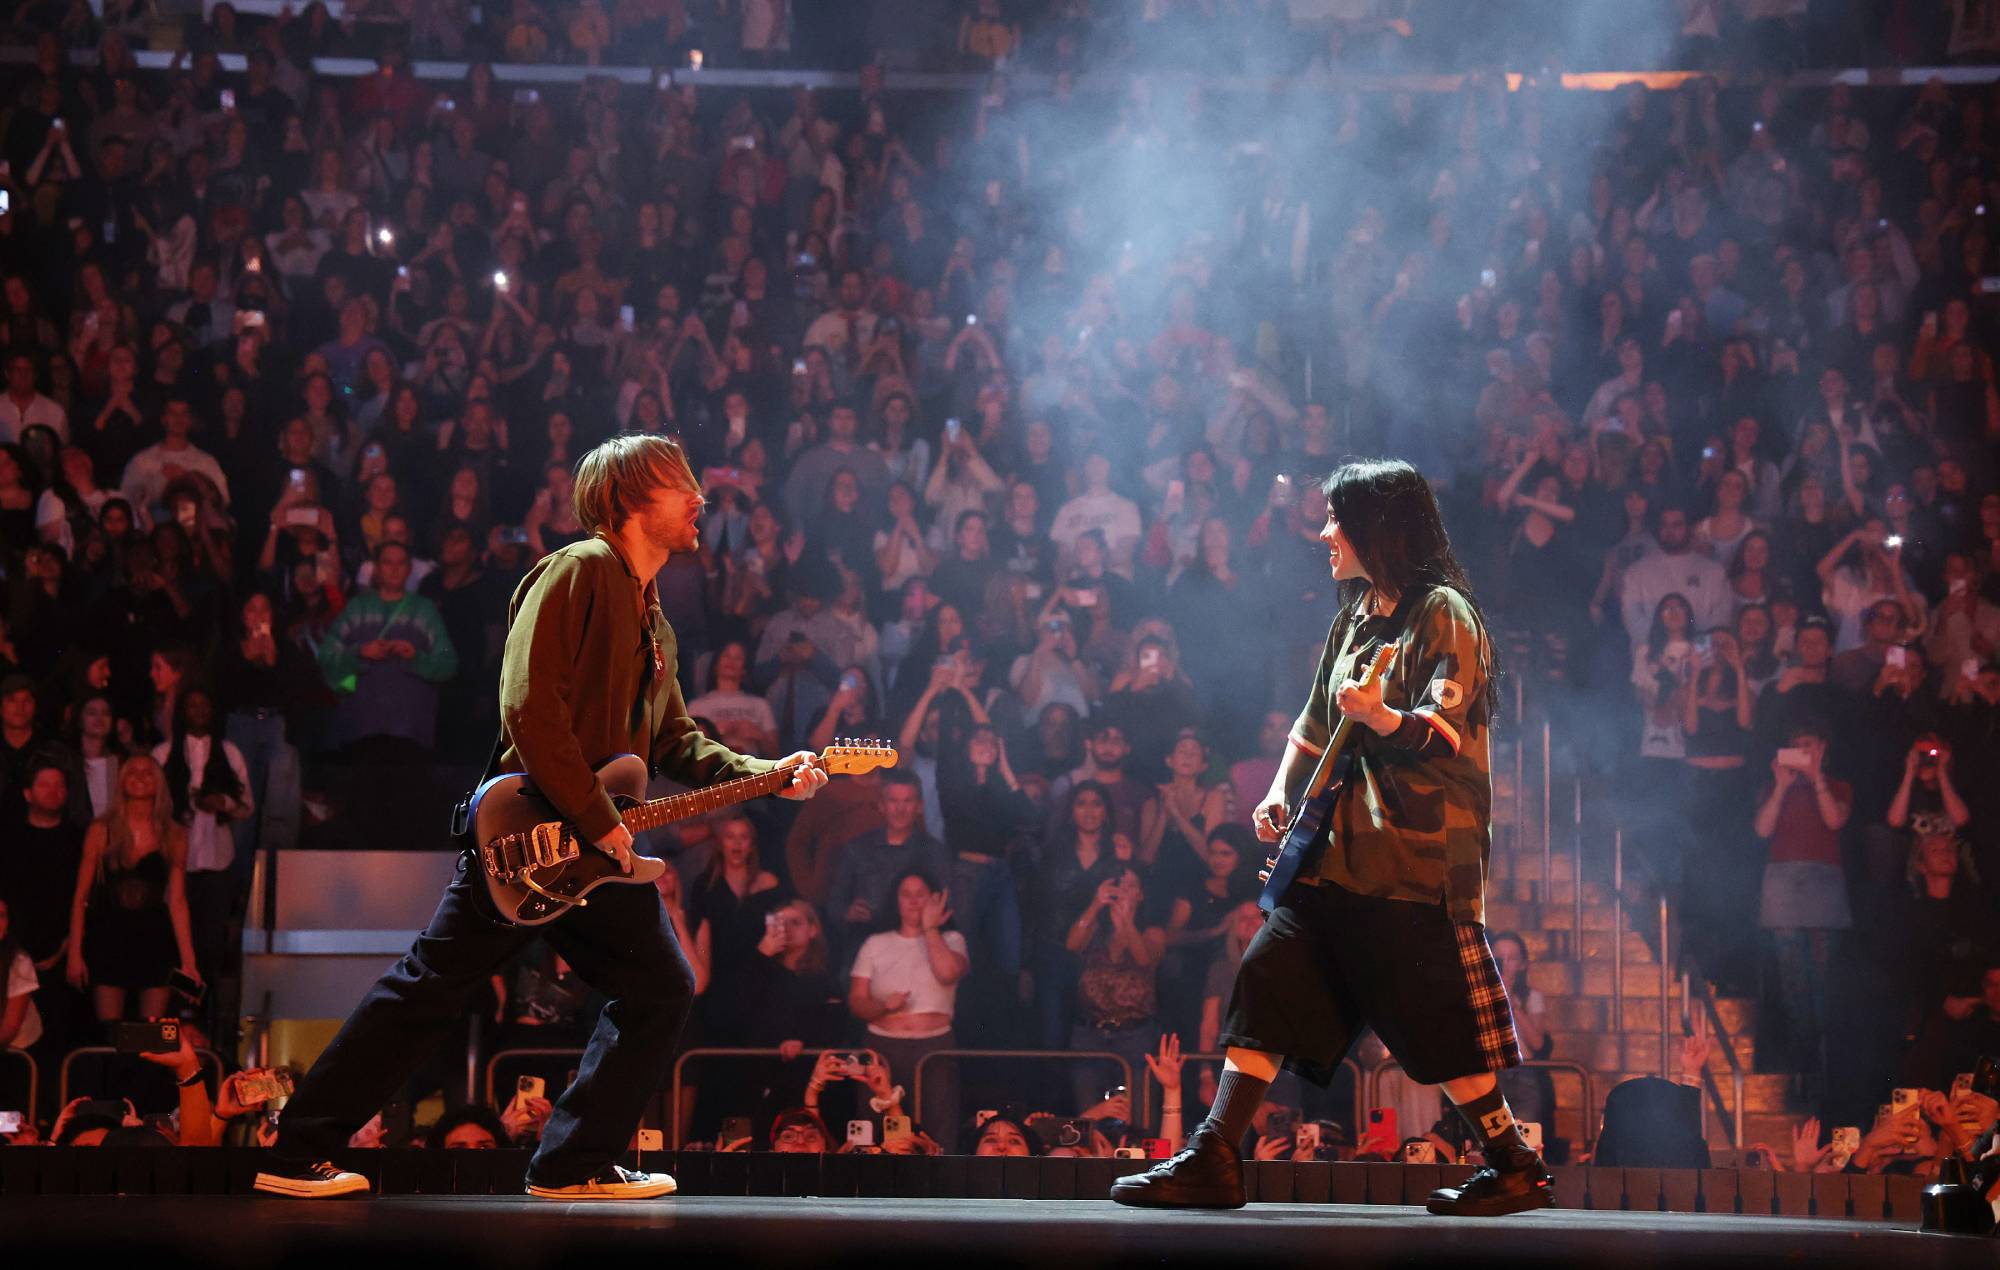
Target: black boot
{"points": [[1516, 1182], [1208, 1173]]}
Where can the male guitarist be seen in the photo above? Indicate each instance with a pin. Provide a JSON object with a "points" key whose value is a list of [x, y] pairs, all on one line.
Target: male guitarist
{"points": [[588, 673], [1383, 926]]}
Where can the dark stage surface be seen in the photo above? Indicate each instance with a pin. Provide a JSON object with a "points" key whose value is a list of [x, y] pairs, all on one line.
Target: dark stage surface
{"points": [[229, 1232]]}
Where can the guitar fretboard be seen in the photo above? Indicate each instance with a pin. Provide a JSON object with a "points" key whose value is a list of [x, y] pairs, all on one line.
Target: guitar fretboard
{"points": [[662, 811]]}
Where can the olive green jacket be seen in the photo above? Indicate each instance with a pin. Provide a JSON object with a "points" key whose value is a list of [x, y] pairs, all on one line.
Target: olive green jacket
{"points": [[578, 685]]}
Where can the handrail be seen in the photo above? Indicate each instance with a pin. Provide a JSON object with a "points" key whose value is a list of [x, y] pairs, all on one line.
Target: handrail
{"points": [[34, 1077], [210, 1057], [1591, 1111], [1145, 1105], [721, 1051], [917, 1077], [552, 1051]]}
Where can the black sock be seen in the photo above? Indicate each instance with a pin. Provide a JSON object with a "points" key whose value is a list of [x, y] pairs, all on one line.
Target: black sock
{"points": [[1237, 1097], [1492, 1122]]}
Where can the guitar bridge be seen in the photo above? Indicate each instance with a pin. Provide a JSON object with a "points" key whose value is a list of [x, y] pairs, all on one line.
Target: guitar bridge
{"points": [[548, 845]]}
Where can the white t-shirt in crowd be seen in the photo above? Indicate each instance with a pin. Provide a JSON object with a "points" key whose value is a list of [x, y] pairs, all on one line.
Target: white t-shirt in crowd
{"points": [[893, 962], [21, 982]]}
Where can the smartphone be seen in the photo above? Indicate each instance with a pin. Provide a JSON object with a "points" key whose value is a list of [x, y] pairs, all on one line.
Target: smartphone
{"points": [[952, 430], [860, 1133], [798, 365], [738, 1129], [851, 681], [149, 1036], [972, 319], [1795, 758], [1382, 1124], [649, 1140], [396, 1124], [186, 987], [1084, 597], [862, 1059], [1128, 1153], [7, 206], [296, 480], [664, 80], [254, 1088], [1896, 657], [1892, 542], [402, 271], [527, 1087], [1306, 1136], [514, 536], [307, 517], [1422, 1151], [10, 1122], [1283, 1122], [446, 103], [526, 97], [229, 99], [1902, 1100], [1157, 1148], [694, 59], [1531, 1133], [1488, 279], [499, 279], [111, 1108], [626, 317], [896, 1129], [1074, 1132], [1847, 1140], [1961, 1084]]}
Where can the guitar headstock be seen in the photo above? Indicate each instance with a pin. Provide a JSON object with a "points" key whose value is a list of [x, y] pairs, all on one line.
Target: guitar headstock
{"points": [[1380, 665], [854, 756]]}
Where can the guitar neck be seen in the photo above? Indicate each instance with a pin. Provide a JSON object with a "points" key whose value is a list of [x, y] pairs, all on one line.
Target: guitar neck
{"points": [[662, 811]]}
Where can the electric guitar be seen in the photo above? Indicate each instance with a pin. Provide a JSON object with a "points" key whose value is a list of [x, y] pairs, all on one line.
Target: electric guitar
{"points": [[537, 866], [1316, 804]]}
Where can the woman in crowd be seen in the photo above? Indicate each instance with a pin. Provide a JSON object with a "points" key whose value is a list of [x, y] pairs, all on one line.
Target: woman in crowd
{"points": [[745, 720], [128, 925], [1117, 995], [984, 811], [904, 987], [95, 737]]}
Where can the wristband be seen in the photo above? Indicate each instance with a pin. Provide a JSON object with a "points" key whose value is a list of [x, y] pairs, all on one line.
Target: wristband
{"points": [[886, 1101], [193, 1080]]}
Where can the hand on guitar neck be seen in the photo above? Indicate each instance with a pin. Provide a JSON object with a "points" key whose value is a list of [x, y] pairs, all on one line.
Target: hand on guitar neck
{"points": [[808, 775]]}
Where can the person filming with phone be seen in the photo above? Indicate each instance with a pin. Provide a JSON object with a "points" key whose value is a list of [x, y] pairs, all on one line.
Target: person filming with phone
{"points": [[1805, 887]]}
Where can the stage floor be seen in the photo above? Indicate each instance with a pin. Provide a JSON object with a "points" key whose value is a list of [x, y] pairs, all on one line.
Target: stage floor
{"points": [[507, 1232]]}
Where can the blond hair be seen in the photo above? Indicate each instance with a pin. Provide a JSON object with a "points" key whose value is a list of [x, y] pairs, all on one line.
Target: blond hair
{"points": [[117, 819], [614, 478]]}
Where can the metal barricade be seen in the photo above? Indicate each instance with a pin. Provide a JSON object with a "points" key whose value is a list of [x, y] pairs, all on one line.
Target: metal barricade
{"points": [[34, 1077], [1145, 1105], [674, 1099], [494, 1062], [1591, 1111], [208, 1058], [917, 1077]]}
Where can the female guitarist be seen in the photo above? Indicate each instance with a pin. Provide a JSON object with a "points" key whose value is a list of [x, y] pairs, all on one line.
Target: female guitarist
{"points": [[1383, 925], [588, 673]]}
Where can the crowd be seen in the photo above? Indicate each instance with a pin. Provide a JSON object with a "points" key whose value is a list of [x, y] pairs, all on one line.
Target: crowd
{"points": [[1010, 412]]}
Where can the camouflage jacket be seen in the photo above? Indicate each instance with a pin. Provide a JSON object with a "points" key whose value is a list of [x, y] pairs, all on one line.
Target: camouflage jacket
{"points": [[1409, 825]]}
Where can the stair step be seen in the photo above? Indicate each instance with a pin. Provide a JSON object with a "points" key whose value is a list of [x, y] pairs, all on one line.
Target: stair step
{"points": [[1593, 979], [1528, 915], [1529, 890], [1545, 945], [1639, 1051]]}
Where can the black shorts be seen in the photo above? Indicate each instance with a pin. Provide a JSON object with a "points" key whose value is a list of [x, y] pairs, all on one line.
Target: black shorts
{"points": [[1329, 963]]}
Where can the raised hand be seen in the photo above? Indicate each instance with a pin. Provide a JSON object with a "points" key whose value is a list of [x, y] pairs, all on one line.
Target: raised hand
{"points": [[1166, 1066]]}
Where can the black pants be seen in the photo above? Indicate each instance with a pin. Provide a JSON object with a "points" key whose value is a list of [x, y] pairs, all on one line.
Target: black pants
{"points": [[621, 945]]}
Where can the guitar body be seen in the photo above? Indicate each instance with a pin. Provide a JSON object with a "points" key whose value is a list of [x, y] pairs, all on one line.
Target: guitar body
{"points": [[1310, 815], [1302, 830], [536, 866]]}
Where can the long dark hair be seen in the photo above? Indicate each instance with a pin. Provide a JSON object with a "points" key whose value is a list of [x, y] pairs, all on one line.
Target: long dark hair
{"points": [[1387, 510]]}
